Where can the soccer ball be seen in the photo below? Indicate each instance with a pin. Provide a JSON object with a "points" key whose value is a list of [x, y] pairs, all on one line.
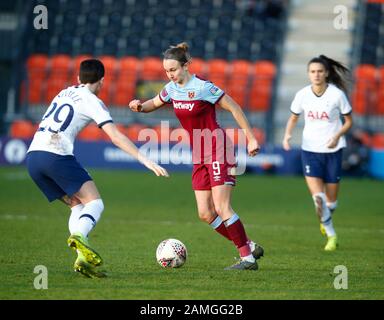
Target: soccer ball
{"points": [[171, 253]]}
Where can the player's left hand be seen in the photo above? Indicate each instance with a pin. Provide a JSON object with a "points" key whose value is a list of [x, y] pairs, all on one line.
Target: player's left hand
{"points": [[253, 147], [332, 143]]}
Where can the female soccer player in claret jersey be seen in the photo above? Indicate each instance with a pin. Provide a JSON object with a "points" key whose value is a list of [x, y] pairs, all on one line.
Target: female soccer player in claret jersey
{"points": [[323, 103], [194, 100]]}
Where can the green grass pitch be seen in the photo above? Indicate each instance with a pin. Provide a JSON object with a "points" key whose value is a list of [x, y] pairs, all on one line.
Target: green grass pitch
{"points": [[141, 210]]}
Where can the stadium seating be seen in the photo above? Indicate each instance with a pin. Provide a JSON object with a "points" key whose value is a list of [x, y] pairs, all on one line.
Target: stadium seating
{"points": [[22, 129], [238, 82], [110, 65], [126, 80], [364, 96], [91, 133], [36, 68], [198, 67], [217, 72], [262, 85], [226, 39], [152, 69], [58, 75]]}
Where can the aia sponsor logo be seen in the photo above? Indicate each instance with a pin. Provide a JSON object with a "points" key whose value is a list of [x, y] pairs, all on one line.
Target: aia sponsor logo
{"points": [[317, 115]]}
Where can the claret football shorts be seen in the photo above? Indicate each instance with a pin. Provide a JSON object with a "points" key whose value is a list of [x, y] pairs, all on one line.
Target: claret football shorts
{"points": [[206, 176]]}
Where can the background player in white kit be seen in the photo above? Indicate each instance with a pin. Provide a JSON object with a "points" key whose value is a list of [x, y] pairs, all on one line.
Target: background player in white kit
{"points": [[323, 103], [57, 173]]}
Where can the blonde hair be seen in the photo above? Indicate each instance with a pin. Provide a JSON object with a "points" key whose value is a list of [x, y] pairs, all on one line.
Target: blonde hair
{"points": [[180, 53]]}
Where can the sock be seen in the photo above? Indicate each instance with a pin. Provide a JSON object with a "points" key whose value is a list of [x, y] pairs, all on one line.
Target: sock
{"points": [[326, 218], [218, 225], [89, 217], [332, 206], [74, 217], [237, 233]]}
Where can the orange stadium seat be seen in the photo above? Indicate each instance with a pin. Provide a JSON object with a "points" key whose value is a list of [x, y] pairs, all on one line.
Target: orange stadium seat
{"points": [[91, 133], [217, 72], [126, 81], [380, 92], [263, 75], [364, 96], [37, 61], [60, 63], [129, 65], [59, 74], [238, 81], [22, 129], [265, 69], [261, 94], [240, 69], [152, 69], [198, 67], [37, 66], [366, 71], [107, 91]]}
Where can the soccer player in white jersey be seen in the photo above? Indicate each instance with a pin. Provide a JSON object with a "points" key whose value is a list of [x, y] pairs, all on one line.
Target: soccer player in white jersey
{"points": [[194, 101], [323, 104], [55, 170]]}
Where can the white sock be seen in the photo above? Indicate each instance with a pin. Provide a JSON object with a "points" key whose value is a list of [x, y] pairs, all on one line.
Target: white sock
{"points": [[326, 218], [332, 206], [74, 217], [89, 217]]}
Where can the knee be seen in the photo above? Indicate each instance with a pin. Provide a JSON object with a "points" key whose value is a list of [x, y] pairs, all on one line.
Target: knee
{"points": [[224, 211], [206, 215]]}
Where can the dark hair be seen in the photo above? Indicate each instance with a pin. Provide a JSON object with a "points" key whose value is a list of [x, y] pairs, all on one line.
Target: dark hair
{"points": [[179, 52], [338, 74], [91, 71]]}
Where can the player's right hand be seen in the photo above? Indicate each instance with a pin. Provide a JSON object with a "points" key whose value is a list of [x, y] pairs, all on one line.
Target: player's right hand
{"points": [[286, 145], [157, 169], [135, 105]]}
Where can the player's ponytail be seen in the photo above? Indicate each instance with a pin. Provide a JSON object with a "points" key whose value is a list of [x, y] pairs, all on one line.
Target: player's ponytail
{"points": [[338, 74], [179, 52]]}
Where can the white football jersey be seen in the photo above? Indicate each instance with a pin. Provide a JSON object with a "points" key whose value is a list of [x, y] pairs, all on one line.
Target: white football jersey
{"points": [[322, 117], [70, 111]]}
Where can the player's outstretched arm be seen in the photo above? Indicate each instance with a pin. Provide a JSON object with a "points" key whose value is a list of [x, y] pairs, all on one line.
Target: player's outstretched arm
{"points": [[147, 106], [122, 142], [230, 105], [291, 124]]}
